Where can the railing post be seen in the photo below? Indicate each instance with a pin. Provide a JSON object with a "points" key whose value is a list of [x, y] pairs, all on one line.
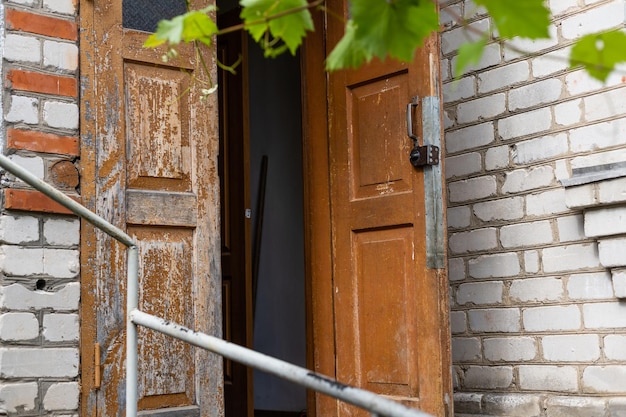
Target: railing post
{"points": [[132, 303]]}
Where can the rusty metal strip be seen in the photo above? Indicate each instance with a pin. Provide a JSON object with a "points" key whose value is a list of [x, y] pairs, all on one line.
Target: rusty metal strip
{"points": [[433, 186]]}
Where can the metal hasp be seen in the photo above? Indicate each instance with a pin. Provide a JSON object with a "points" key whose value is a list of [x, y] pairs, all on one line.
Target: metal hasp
{"points": [[427, 154]]}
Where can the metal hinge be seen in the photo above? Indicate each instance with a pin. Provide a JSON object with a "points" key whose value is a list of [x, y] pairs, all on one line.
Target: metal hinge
{"points": [[97, 375]]}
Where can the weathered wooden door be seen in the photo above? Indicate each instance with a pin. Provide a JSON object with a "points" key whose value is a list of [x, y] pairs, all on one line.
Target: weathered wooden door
{"points": [[379, 313], [149, 159]]}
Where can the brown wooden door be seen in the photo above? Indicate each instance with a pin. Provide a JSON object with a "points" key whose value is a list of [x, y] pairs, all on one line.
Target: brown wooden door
{"points": [[379, 315], [234, 164], [149, 159]]}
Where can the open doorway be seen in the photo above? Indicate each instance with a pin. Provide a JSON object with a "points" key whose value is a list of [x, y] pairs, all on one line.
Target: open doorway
{"points": [[261, 117]]}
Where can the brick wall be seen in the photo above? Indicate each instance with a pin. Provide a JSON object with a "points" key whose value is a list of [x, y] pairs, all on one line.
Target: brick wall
{"points": [[537, 328], [39, 263]]}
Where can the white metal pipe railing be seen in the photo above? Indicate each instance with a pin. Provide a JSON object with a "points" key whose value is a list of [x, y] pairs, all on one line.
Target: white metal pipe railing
{"points": [[375, 404]]}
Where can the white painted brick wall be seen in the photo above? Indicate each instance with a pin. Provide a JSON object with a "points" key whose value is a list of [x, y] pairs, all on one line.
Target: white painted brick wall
{"points": [[466, 349], [571, 348], [575, 406], [22, 48], [61, 396], [590, 286], [67, 7], [526, 234], [33, 164], [552, 318], [60, 327], [473, 241], [605, 379], [536, 290], [61, 55], [17, 230], [612, 252], [494, 320], [472, 189], [594, 20], [20, 261], [459, 216], [571, 228], [503, 76], [570, 258], [540, 149], [615, 347], [524, 180], [514, 405], [605, 315], [465, 164], [495, 266], [546, 203], [537, 304], [548, 378], [496, 158], [458, 322], [526, 123], [18, 326], [511, 208], [488, 377], [605, 221], [531, 95], [470, 137], [510, 349], [61, 232], [60, 115], [18, 297], [480, 293], [482, 108], [23, 109], [18, 396], [38, 362]]}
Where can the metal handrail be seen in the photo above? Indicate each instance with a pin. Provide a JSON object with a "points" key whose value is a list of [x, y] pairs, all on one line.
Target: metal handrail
{"points": [[374, 403]]}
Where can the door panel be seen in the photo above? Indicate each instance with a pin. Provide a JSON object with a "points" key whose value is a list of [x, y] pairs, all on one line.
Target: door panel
{"points": [[149, 158], [389, 320]]}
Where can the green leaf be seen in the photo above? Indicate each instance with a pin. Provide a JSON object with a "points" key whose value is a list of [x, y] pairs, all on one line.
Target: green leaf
{"points": [[291, 28], [598, 53], [348, 53], [469, 54], [171, 30], [393, 27], [198, 26], [524, 18], [195, 25]]}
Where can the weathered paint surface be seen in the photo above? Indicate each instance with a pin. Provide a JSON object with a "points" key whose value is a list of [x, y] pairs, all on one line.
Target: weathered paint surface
{"points": [[148, 140]]}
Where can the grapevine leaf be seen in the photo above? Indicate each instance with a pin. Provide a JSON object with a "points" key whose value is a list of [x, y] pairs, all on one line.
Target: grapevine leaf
{"points": [[199, 26], [348, 53], [395, 27], [599, 52], [171, 30], [192, 26], [469, 54], [524, 18], [290, 28]]}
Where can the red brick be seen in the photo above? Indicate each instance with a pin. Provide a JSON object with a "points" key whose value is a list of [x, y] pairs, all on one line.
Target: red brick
{"points": [[41, 25], [35, 141], [31, 200], [38, 82]]}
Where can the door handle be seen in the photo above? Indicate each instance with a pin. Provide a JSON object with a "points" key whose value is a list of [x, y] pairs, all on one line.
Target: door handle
{"points": [[419, 155]]}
